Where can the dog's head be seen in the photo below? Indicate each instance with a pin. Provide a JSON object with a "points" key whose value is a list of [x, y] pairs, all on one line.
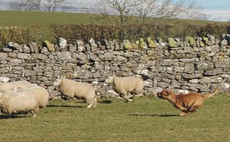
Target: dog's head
{"points": [[164, 94]]}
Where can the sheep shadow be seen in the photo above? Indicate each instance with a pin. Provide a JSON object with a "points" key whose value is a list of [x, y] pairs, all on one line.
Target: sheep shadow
{"points": [[105, 102], [9, 116], [65, 106], [153, 115]]}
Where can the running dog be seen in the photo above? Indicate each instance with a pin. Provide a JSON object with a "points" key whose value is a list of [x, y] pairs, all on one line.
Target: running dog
{"points": [[185, 102]]}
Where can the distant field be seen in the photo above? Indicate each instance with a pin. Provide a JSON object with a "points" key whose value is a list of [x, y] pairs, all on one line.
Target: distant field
{"points": [[147, 119], [27, 18], [45, 19]]}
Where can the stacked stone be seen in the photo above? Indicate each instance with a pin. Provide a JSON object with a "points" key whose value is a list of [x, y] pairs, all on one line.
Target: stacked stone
{"points": [[177, 64]]}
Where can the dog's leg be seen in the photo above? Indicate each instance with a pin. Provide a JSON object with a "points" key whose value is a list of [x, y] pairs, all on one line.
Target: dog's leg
{"points": [[193, 109], [183, 113], [180, 107]]}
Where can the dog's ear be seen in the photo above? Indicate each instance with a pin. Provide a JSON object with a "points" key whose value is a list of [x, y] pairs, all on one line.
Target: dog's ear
{"points": [[167, 92]]}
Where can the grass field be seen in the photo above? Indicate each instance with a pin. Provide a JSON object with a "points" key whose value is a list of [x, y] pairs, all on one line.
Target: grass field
{"points": [[43, 21], [146, 119], [28, 18]]}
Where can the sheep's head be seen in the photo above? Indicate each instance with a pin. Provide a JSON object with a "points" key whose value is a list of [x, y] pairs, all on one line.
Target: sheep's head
{"points": [[109, 80], [57, 82]]}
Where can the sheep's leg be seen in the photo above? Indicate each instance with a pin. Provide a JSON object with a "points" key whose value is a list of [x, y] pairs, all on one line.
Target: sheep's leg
{"points": [[91, 102], [130, 95], [34, 114], [95, 102], [124, 94], [35, 111], [89, 106], [130, 100], [127, 98], [138, 93]]}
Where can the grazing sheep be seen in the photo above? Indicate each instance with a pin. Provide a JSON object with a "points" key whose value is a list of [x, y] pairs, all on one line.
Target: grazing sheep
{"points": [[75, 89], [15, 84], [13, 102], [125, 86]]}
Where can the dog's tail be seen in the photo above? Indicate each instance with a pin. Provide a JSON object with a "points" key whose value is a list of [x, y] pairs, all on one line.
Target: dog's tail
{"points": [[215, 91]]}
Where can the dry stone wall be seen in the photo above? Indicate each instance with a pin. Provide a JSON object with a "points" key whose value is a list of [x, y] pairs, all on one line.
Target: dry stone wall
{"points": [[182, 67]]}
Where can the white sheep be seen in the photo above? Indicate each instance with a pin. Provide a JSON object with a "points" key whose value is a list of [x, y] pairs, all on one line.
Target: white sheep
{"points": [[126, 87], [13, 102], [15, 84], [41, 94], [4, 79], [75, 89]]}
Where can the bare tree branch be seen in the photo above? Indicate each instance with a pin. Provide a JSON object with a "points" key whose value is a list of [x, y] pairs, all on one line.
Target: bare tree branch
{"points": [[122, 8], [149, 8], [36, 5], [52, 5]]}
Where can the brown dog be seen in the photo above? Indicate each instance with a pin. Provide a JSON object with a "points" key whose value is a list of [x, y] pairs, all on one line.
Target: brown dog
{"points": [[185, 102]]}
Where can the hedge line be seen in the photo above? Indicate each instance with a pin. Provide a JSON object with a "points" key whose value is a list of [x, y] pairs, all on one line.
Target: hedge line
{"points": [[20, 35], [134, 32], [71, 32]]}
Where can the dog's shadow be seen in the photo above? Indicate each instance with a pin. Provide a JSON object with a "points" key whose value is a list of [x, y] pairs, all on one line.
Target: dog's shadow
{"points": [[9, 116], [152, 115]]}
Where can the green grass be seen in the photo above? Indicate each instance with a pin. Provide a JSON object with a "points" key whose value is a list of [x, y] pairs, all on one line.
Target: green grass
{"points": [[146, 119], [30, 18], [45, 19]]}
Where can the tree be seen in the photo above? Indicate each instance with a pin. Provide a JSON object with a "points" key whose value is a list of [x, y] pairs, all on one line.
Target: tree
{"points": [[144, 8], [17, 5], [52, 5], [148, 8], [121, 8], [36, 5], [31, 5]]}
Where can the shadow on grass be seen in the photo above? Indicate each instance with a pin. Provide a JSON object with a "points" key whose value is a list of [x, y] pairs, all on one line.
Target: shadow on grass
{"points": [[103, 102], [106, 101], [6, 116], [159, 115], [65, 106]]}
